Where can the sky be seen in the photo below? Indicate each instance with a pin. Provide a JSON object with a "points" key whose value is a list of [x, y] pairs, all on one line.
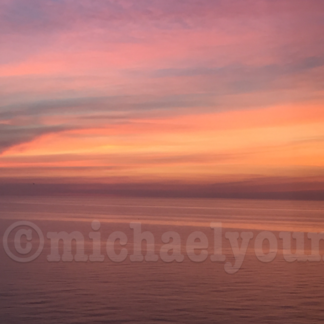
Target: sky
{"points": [[198, 93]]}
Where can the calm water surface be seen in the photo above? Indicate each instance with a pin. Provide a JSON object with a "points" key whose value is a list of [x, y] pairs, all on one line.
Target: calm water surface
{"points": [[159, 292]]}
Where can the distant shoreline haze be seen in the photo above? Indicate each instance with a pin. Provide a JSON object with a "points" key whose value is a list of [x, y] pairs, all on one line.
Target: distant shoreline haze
{"points": [[256, 189]]}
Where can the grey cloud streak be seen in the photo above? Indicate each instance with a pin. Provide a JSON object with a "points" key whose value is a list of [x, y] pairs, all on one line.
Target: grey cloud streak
{"points": [[15, 135]]}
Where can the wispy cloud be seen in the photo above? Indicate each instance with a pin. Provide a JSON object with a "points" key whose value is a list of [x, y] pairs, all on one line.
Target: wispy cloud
{"points": [[161, 90]]}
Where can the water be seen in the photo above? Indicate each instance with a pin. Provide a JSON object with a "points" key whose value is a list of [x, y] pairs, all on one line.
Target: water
{"points": [[159, 292]]}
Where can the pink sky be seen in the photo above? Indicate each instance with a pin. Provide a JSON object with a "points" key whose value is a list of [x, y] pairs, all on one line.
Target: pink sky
{"points": [[153, 91]]}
